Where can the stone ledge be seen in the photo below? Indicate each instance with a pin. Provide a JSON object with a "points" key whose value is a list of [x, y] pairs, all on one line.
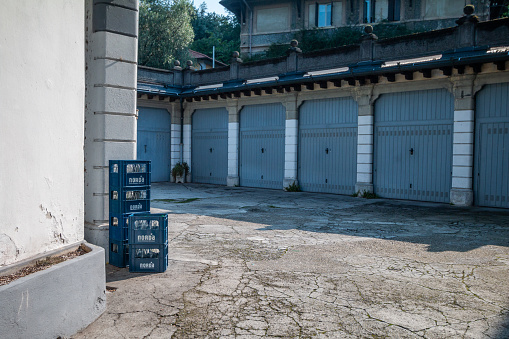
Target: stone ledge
{"points": [[58, 301]]}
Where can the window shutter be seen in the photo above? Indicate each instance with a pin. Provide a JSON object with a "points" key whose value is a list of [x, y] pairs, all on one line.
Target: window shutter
{"points": [[316, 14], [337, 13], [311, 16], [332, 14], [397, 8]]}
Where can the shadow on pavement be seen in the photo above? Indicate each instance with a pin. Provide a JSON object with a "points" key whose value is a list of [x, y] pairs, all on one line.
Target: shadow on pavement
{"points": [[504, 329], [440, 226]]}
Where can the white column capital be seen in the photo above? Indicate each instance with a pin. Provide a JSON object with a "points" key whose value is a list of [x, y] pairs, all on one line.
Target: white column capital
{"points": [[463, 90], [292, 106], [364, 95], [233, 109]]}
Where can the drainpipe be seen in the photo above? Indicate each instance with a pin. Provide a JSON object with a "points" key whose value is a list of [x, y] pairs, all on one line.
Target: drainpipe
{"points": [[250, 28], [181, 130]]}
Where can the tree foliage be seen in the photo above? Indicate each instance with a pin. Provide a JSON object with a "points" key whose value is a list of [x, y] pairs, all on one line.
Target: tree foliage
{"points": [[211, 29], [165, 32], [169, 28]]}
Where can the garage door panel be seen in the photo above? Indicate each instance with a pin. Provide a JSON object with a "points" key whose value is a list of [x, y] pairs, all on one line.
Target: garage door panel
{"points": [[491, 182], [209, 163], [413, 145], [209, 150], [153, 141], [432, 168], [494, 137], [392, 143], [328, 145], [262, 146]]}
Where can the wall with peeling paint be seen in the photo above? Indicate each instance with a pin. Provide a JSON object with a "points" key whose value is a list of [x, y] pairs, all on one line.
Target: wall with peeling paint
{"points": [[42, 86]]}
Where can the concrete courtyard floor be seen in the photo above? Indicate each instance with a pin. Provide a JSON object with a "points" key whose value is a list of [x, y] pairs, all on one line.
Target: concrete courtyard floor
{"points": [[251, 263]]}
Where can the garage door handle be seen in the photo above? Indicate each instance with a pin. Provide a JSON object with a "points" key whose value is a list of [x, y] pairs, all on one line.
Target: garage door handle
{"points": [[211, 150], [263, 150], [411, 151], [145, 148], [326, 151]]}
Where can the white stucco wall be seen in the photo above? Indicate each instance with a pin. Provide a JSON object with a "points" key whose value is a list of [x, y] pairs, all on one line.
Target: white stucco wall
{"points": [[42, 88], [272, 19]]}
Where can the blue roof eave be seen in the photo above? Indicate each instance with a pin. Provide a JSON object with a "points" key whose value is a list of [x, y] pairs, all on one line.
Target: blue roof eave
{"points": [[361, 69]]}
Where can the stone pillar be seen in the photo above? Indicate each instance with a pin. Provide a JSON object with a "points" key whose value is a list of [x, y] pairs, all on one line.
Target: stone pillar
{"points": [[467, 25], [178, 78], [186, 146], [235, 62], [365, 142], [175, 136], [187, 73], [463, 141], [233, 144], [291, 141], [292, 61], [110, 104], [367, 43]]}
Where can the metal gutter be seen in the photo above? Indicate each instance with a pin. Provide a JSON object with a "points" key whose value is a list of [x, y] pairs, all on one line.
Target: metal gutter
{"points": [[181, 130]]}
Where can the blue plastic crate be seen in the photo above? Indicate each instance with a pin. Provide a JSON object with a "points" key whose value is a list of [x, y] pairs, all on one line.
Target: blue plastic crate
{"points": [[128, 173], [130, 200], [119, 226], [148, 258], [147, 229], [119, 253]]}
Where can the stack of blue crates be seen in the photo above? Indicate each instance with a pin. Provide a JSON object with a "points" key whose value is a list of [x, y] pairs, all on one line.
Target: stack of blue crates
{"points": [[129, 193], [148, 242]]}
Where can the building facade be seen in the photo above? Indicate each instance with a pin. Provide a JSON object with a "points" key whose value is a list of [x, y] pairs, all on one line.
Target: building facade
{"points": [[275, 22], [414, 118]]}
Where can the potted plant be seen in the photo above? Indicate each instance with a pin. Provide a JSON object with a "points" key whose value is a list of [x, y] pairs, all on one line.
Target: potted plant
{"points": [[179, 172]]}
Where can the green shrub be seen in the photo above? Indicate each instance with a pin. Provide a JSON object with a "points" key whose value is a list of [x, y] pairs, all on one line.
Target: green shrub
{"points": [[180, 169], [369, 195], [293, 188]]}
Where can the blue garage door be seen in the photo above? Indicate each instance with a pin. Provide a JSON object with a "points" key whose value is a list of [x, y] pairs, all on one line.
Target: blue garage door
{"points": [[154, 128], [210, 146], [328, 145], [491, 179], [262, 146], [413, 145]]}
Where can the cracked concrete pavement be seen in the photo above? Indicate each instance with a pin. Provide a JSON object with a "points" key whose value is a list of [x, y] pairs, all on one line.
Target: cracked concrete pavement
{"points": [[251, 263]]}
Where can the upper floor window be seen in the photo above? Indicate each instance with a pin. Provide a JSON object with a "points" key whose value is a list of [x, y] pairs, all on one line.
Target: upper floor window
{"points": [[376, 11], [324, 15]]}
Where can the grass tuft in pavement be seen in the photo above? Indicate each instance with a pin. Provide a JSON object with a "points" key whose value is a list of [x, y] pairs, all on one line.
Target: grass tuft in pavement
{"points": [[177, 201]]}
